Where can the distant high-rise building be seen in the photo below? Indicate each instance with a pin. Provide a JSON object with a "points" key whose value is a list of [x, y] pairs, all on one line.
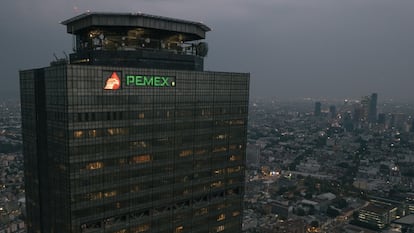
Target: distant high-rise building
{"points": [[372, 108], [317, 111], [131, 135], [412, 126], [332, 111], [398, 120], [382, 117]]}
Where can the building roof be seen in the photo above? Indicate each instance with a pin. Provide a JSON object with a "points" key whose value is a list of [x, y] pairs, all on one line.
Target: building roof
{"points": [[377, 208], [407, 220], [91, 19]]}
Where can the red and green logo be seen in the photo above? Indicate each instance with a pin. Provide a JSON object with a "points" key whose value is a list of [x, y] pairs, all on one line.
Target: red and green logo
{"points": [[113, 82]]}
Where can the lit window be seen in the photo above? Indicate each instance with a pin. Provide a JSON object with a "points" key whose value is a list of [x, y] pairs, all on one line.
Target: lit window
{"points": [[94, 165], [111, 131], [121, 231], [95, 196], [117, 131], [221, 217], [200, 151], [186, 153], [141, 228], [221, 136], [217, 184], [220, 149], [219, 172], [78, 134], [138, 144], [220, 228], [236, 213], [141, 158], [141, 115], [179, 229], [233, 169], [92, 133], [109, 194], [234, 158]]}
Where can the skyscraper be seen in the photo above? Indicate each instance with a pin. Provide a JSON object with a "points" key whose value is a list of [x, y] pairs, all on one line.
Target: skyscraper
{"points": [[131, 135], [317, 111], [372, 108], [332, 111]]}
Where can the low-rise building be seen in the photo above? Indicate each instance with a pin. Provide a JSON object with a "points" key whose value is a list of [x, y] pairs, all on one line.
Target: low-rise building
{"points": [[377, 215]]}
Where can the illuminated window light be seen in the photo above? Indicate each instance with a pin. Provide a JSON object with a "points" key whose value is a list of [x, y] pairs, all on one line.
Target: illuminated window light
{"points": [[186, 153], [220, 228], [78, 134], [221, 217], [141, 158], [93, 133], [179, 229], [94, 165], [220, 149], [109, 194], [235, 213], [141, 228]]}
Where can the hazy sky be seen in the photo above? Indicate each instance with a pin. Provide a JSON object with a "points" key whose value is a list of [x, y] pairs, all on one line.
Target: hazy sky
{"points": [[292, 48]]}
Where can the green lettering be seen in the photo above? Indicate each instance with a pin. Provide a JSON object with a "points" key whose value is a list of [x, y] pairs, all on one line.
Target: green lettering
{"points": [[165, 81], [148, 81], [130, 79], [139, 80], [157, 82]]}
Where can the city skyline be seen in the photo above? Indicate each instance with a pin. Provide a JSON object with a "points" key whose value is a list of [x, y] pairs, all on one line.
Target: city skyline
{"points": [[318, 48]]}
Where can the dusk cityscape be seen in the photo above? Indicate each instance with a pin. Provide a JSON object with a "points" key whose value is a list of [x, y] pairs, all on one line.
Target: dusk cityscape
{"points": [[193, 117]]}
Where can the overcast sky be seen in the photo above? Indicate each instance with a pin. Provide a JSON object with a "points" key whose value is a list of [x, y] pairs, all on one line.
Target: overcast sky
{"points": [[292, 48]]}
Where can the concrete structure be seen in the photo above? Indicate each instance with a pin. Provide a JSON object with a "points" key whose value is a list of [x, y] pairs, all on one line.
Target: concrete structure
{"points": [[377, 215], [144, 142]]}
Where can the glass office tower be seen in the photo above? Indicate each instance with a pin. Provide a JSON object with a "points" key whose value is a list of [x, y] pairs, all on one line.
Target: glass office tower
{"points": [[131, 135]]}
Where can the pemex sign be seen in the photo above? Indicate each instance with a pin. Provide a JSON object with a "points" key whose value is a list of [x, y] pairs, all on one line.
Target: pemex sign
{"points": [[114, 80], [149, 81]]}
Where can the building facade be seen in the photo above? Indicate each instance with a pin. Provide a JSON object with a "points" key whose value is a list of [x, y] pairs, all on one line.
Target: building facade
{"points": [[134, 147]]}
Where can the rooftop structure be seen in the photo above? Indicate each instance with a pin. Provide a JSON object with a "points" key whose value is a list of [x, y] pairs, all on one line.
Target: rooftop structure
{"points": [[137, 40]]}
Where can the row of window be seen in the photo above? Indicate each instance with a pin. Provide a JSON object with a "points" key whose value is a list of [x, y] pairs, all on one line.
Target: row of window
{"points": [[142, 129], [156, 143], [211, 197], [148, 114], [129, 190], [144, 158], [162, 176]]}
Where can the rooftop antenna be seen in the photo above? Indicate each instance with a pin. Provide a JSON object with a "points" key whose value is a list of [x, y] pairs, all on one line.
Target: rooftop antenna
{"points": [[54, 54]]}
